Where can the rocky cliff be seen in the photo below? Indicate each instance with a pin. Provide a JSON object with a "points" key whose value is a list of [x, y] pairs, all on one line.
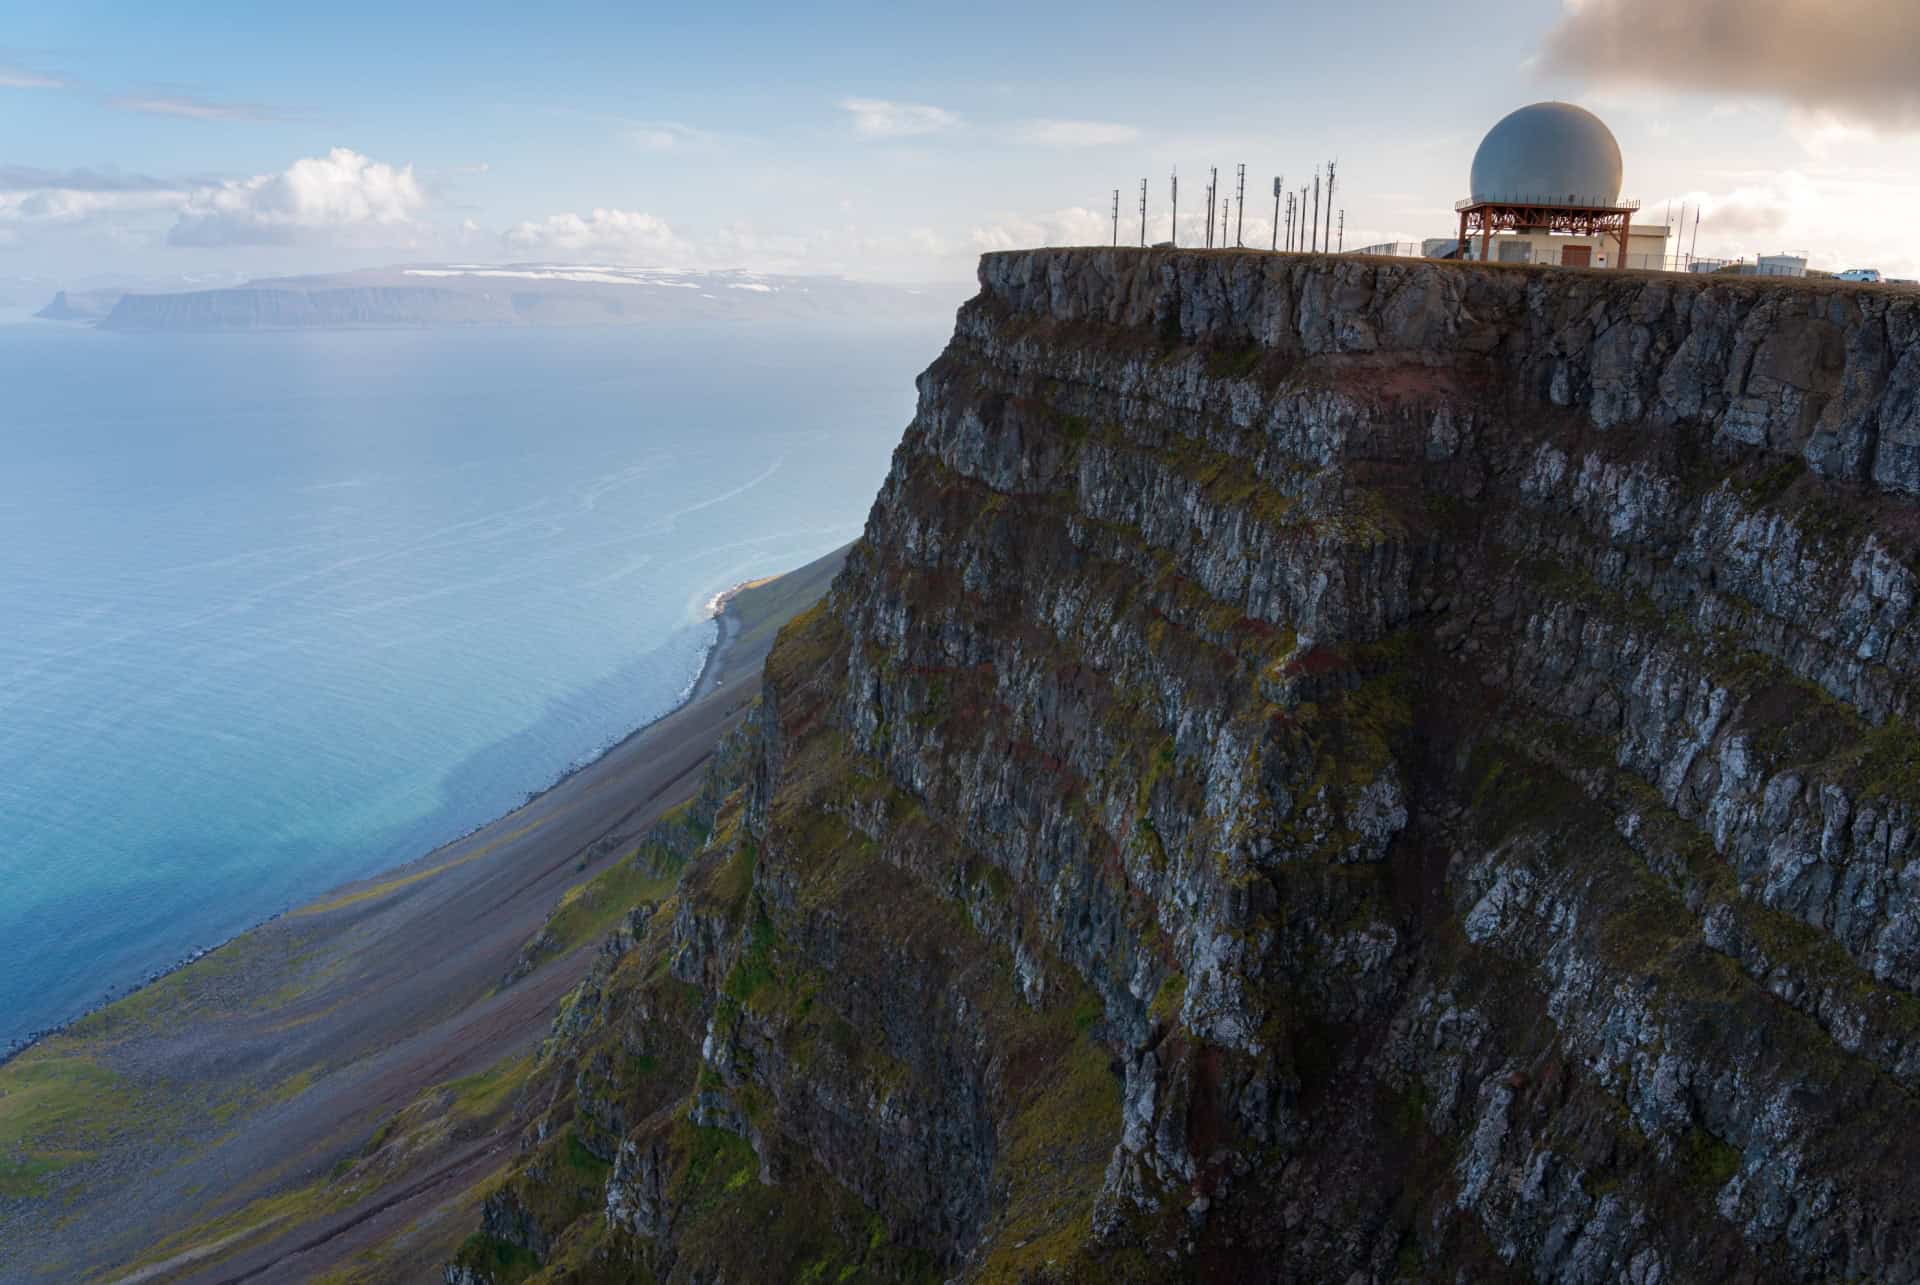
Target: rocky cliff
{"points": [[1324, 769]]}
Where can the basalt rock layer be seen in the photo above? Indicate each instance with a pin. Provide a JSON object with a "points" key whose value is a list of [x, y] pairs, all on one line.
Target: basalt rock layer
{"points": [[1320, 769]]}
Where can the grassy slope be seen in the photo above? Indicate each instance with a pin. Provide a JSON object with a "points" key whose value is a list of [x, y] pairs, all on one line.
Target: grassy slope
{"points": [[73, 1099]]}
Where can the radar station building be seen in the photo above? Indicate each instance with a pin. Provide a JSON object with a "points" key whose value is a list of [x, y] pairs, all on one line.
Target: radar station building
{"points": [[1546, 189]]}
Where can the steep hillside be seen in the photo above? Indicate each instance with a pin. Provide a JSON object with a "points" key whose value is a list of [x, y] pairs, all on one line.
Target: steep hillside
{"points": [[1319, 769]]}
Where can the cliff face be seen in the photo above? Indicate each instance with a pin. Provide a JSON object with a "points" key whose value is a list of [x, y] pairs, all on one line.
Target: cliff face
{"points": [[1319, 768]]}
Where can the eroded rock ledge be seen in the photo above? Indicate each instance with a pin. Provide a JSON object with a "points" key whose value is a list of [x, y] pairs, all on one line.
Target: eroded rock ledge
{"points": [[1319, 769]]}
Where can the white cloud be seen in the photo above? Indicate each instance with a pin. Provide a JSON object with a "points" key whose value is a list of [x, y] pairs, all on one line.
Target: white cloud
{"points": [[1853, 59], [71, 205], [20, 78], [1839, 218], [1075, 133], [341, 197], [29, 195], [881, 118], [190, 108], [1072, 226], [668, 136], [627, 236]]}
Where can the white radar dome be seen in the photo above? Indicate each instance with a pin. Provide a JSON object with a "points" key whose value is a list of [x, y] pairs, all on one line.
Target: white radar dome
{"points": [[1548, 154]]}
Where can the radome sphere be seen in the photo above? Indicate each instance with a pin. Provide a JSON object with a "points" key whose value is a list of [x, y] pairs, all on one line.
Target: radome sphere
{"points": [[1548, 154]]}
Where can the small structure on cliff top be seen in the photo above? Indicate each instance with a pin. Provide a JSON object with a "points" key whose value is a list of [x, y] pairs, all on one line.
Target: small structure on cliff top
{"points": [[1546, 189]]}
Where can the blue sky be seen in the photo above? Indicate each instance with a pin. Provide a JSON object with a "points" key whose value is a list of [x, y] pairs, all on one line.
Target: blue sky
{"points": [[896, 142]]}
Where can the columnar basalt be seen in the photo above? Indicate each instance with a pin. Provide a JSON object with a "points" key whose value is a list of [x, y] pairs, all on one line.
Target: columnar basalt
{"points": [[1320, 768]]}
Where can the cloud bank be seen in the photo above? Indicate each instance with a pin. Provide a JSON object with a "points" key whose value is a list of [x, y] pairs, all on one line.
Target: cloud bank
{"points": [[341, 197], [1074, 225], [31, 195], [1851, 59], [620, 236], [881, 118], [20, 78], [190, 108]]}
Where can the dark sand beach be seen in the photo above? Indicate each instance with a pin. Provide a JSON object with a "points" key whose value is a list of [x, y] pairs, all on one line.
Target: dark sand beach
{"points": [[226, 1114]]}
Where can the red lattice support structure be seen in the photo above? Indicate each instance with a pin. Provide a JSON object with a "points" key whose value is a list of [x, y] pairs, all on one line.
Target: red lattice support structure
{"points": [[1484, 218]]}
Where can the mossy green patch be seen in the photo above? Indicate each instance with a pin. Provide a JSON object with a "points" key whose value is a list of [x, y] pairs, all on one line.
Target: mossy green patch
{"points": [[58, 1105], [1060, 1142], [497, 1261], [590, 910], [754, 968], [1708, 1163], [486, 1094]]}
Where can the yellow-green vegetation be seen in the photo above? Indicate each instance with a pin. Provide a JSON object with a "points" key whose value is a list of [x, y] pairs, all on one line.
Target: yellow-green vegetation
{"points": [[387, 887], [733, 880], [503, 1262], [58, 1106], [806, 1228], [1059, 1144], [459, 1103], [220, 1236], [1171, 995], [254, 973], [486, 1094], [421, 1248], [1707, 1162], [589, 910]]}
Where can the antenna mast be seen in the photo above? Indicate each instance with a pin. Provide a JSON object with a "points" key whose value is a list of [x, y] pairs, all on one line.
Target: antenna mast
{"points": [[1143, 214], [1329, 239], [1240, 203], [1213, 200], [1116, 218], [1173, 220], [1276, 212], [1314, 236]]}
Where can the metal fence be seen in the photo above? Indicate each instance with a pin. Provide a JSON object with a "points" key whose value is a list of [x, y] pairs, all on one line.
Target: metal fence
{"points": [[1446, 247]]}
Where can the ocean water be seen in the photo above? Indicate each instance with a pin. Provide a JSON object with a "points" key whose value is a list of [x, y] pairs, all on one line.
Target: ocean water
{"points": [[279, 610]]}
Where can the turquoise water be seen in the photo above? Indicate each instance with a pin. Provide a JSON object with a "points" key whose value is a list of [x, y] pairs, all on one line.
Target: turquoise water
{"points": [[279, 610]]}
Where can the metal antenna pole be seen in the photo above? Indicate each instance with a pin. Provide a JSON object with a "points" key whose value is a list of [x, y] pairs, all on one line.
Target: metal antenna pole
{"points": [[1213, 200], [1314, 235], [1328, 241], [1173, 222], [1239, 228], [1343, 232], [1116, 218], [1300, 221], [1276, 212], [1143, 214]]}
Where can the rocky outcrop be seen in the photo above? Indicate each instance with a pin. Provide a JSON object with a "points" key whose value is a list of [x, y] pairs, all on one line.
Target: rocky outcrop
{"points": [[79, 305], [1320, 768]]}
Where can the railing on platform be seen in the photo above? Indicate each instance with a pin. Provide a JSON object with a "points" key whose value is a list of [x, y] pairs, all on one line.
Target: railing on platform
{"points": [[1446, 248], [1546, 203]]}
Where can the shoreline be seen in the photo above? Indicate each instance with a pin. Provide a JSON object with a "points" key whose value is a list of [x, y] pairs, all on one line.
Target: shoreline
{"points": [[704, 681]]}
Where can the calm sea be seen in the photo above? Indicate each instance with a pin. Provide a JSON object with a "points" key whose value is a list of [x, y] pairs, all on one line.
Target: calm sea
{"points": [[277, 610]]}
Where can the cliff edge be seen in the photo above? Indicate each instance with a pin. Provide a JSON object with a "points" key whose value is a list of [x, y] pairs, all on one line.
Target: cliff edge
{"points": [[1320, 768]]}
